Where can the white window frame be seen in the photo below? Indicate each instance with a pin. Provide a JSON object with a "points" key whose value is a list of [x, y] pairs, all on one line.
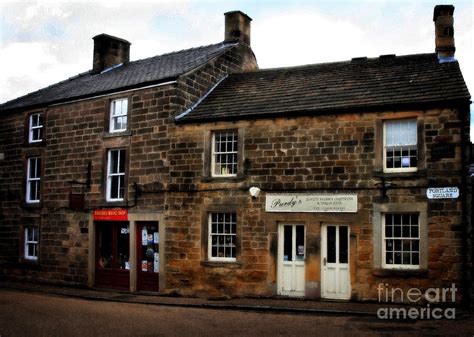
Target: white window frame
{"points": [[122, 114], [386, 265], [36, 179], [211, 234], [398, 169], [32, 128], [33, 242], [110, 175], [214, 154]]}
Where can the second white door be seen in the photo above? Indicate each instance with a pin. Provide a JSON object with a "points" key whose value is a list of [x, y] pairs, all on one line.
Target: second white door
{"points": [[335, 274]]}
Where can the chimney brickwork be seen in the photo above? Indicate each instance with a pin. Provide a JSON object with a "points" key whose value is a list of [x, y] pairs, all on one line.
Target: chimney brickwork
{"points": [[109, 51], [444, 31], [237, 26]]}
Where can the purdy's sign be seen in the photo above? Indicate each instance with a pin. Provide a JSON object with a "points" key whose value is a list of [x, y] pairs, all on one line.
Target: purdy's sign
{"points": [[111, 214], [311, 203]]}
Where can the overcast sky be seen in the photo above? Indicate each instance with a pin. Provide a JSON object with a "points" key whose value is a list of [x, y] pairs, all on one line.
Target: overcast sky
{"points": [[43, 42]]}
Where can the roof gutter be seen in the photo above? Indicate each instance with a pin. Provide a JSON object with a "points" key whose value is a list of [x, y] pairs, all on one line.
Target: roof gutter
{"points": [[458, 102]]}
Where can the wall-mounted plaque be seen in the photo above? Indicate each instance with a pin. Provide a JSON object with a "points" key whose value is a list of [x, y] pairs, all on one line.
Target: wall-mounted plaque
{"points": [[442, 193], [442, 150]]}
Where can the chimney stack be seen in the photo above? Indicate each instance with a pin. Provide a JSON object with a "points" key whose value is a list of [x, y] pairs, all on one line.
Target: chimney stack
{"points": [[444, 31], [109, 51], [237, 26]]}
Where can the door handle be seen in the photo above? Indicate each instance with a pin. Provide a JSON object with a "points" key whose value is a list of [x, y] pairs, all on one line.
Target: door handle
{"points": [[324, 261]]}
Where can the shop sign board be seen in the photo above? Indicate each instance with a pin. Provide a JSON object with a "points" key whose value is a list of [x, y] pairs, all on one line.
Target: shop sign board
{"points": [[111, 214], [311, 203]]}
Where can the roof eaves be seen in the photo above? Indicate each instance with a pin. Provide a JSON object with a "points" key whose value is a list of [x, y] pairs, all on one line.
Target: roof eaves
{"points": [[90, 96], [441, 103]]}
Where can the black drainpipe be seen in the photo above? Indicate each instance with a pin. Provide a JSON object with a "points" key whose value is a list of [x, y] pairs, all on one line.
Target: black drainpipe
{"points": [[465, 281]]}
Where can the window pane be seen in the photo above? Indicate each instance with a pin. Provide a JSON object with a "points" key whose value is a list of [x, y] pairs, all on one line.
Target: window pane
{"points": [[122, 161], [300, 249], [343, 244], [114, 157], [31, 249], [105, 245], [287, 243], [331, 242], [123, 246], [121, 186], [114, 188]]}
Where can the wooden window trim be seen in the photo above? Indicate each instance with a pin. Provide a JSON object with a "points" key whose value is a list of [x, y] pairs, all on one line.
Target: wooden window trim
{"points": [[27, 154], [27, 120], [111, 175], [206, 261], [207, 170], [108, 116], [379, 146]]}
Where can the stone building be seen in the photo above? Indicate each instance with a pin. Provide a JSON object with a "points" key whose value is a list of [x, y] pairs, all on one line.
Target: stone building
{"points": [[196, 173]]}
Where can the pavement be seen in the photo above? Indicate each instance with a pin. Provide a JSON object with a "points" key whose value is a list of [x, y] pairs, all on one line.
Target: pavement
{"points": [[277, 304]]}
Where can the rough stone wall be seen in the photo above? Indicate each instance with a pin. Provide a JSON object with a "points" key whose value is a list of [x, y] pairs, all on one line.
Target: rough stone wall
{"points": [[76, 134], [324, 154]]}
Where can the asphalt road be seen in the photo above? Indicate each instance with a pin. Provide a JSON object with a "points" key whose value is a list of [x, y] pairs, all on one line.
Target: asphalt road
{"points": [[33, 314]]}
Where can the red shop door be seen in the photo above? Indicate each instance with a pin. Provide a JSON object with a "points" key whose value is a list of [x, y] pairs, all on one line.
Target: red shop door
{"points": [[112, 255], [148, 256]]}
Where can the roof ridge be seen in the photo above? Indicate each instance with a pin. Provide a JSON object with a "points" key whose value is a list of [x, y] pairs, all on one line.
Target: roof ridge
{"points": [[205, 50], [311, 65], [183, 50]]}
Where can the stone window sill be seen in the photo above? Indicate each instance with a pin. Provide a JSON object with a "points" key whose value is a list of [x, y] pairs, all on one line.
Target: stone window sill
{"points": [[29, 264], [222, 264], [123, 203], [127, 133], [400, 272], [35, 144], [237, 178], [401, 175], [33, 205]]}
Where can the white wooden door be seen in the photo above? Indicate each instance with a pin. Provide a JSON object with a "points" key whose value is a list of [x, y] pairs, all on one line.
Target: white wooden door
{"points": [[291, 260], [335, 274]]}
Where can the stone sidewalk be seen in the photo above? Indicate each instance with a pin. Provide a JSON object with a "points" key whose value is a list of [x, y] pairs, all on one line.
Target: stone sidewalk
{"points": [[284, 305]]}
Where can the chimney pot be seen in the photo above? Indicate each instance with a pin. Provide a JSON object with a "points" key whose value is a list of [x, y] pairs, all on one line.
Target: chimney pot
{"points": [[444, 32], [237, 26], [109, 51]]}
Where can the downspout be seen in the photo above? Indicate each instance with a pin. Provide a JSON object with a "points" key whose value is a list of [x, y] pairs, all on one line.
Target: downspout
{"points": [[465, 277]]}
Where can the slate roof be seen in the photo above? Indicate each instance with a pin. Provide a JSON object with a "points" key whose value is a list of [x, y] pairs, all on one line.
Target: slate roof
{"points": [[360, 84], [139, 73]]}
